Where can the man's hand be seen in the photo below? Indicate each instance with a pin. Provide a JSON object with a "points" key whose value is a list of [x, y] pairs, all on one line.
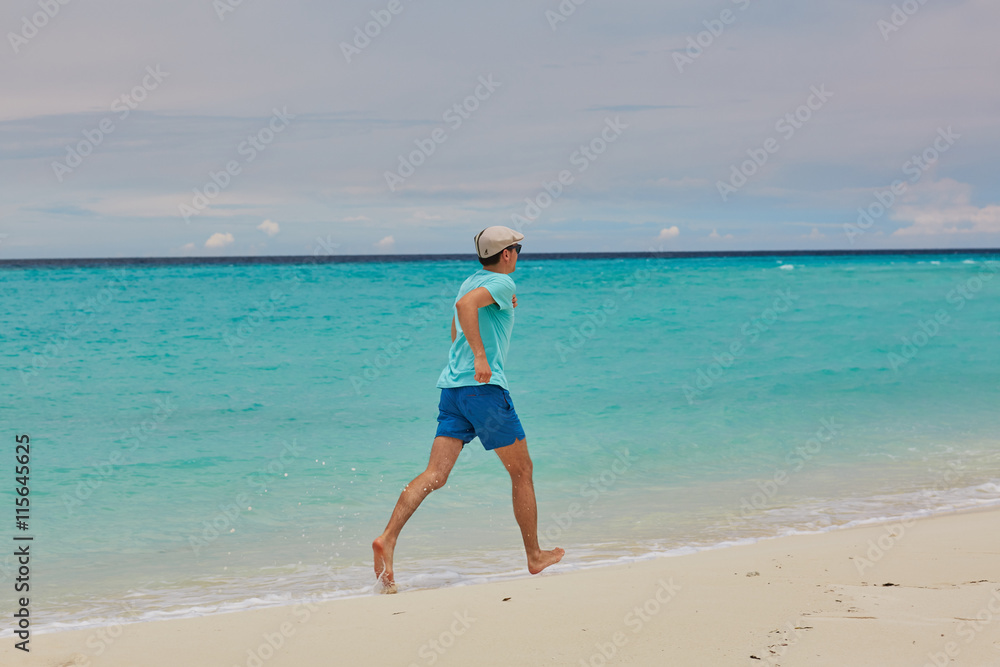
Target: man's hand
{"points": [[514, 300], [483, 370]]}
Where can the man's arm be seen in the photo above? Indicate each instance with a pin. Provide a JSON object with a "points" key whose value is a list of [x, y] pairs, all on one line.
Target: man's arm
{"points": [[468, 316], [454, 332]]}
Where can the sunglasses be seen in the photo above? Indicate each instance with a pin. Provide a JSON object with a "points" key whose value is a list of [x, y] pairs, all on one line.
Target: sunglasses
{"points": [[516, 248]]}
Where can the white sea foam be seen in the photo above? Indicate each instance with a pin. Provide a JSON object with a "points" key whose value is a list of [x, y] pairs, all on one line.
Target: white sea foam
{"points": [[320, 583]]}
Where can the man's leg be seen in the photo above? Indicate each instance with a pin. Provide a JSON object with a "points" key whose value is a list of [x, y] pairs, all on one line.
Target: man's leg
{"points": [[444, 453], [515, 458]]}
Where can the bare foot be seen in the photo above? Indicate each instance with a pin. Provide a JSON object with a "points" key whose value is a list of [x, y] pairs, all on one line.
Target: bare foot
{"points": [[383, 565], [544, 559]]}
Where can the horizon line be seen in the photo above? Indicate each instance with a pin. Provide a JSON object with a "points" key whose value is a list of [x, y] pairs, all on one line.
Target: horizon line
{"points": [[429, 257]]}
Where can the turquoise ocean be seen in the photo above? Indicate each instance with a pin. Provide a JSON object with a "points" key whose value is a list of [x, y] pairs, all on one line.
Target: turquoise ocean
{"points": [[214, 437]]}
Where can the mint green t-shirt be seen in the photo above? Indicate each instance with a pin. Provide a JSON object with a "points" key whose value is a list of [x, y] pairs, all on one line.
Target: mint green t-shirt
{"points": [[496, 322]]}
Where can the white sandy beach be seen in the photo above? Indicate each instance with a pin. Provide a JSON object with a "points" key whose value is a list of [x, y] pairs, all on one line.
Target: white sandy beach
{"points": [[799, 600]]}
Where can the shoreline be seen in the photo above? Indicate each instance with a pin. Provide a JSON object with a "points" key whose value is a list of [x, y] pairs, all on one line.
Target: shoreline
{"points": [[895, 592], [244, 594], [509, 568]]}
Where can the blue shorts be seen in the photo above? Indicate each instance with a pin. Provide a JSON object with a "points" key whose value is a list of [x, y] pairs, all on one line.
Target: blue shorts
{"points": [[484, 411]]}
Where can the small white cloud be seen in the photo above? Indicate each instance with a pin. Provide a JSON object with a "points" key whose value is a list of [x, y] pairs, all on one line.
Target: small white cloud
{"points": [[188, 247], [715, 236], [269, 228], [668, 233], [218, 240], [355, 218], [815, 235], [385, 244]]}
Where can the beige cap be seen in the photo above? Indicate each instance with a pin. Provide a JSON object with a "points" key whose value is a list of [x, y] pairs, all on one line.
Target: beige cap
{"points": [[492, 240]]}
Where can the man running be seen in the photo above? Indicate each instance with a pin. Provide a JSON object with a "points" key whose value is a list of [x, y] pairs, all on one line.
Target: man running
{"points": [[475, 402]]}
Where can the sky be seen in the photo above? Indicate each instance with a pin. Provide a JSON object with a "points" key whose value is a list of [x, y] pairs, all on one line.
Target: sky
{"points": [[257, 127]]}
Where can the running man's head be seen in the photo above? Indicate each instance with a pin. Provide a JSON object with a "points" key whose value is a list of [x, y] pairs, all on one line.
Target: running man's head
{"points": [[497, 248]]}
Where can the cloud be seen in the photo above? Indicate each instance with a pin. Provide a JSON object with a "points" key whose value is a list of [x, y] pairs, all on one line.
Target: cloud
{"points": [[186, 137], [683, 182], [944, 207], [625, 108], [715, 236], [815, 234], [127, 205], [423, 215], [269, 228], [139, 206], [188, 247], [668, 233], [386, 244], [219, 240]]}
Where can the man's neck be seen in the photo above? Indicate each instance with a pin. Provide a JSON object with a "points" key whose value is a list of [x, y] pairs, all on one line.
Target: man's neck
{"points": [[505, 267]]}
